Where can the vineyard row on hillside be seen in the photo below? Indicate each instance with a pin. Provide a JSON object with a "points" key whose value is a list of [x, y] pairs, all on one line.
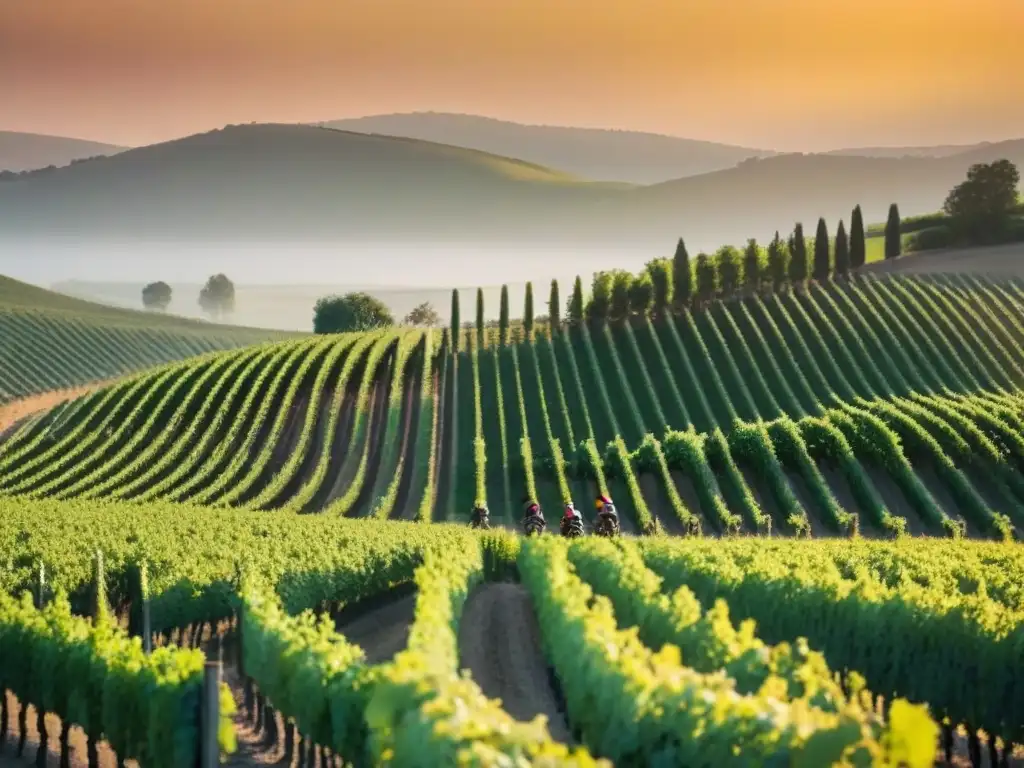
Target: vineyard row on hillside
{"points": [[45, 351], [875, 406]]}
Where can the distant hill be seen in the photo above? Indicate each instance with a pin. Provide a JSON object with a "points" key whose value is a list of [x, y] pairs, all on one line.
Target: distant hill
{"points": [[627, 156], [940, 150], [28, 151], [298, 184]]}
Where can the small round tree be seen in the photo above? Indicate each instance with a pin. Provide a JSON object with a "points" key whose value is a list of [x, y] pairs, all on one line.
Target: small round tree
{"points": [[156, 296]]}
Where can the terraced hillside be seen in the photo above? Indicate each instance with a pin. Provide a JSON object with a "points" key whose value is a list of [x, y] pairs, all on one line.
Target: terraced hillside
{"points": [[876, 406], [53, 342]]}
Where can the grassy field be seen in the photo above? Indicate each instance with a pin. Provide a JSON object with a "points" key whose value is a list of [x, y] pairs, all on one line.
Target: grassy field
{"points": [[53, 342], [870, 426]]}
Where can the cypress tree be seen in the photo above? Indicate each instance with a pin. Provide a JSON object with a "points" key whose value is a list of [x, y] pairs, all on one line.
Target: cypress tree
{"points": [[752, 266], [528, 312], [858, 248], [822, 262], [798, 256], [893, 246], [777, 262], [682, 277], [554, 309], [576, 302], [456, 322], [480, 318], [842, 268], [503, 317]]}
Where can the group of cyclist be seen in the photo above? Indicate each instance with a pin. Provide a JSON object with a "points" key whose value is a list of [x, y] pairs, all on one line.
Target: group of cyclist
{"points": [[572, 521]]}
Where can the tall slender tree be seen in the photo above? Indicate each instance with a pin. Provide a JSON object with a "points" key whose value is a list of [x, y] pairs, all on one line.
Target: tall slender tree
{"points": [[752, 266], [554, 309], [503, 317], [528, 312], [576, 302], [777, 262], [893, 244], [480, 324], [842, 267], [682, 277], [798, 256], [822, 260], [858, 247], [456, 321]]}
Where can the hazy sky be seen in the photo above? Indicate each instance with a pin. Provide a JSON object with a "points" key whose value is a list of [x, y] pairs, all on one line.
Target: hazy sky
{"points": [[785, 74]]}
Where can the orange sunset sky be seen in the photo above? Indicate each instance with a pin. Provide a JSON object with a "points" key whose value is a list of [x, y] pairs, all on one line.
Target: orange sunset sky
{"points": [[781, 74]]}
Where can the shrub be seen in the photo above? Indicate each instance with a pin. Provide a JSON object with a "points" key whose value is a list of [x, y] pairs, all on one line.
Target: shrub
{"points": [[930, 239]]}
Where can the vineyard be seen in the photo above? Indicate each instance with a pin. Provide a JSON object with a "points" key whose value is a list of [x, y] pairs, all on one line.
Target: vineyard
{"points": [[61, 343], [879, 420], [879, 406]]}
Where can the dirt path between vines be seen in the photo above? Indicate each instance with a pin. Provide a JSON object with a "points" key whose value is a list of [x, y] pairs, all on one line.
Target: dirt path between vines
{"points": [[382, 630], [12, 414], [499, 642]]}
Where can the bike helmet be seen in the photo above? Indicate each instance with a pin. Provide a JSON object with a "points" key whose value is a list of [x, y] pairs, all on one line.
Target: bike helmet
{"points": [[602, 501], [570, 510]]}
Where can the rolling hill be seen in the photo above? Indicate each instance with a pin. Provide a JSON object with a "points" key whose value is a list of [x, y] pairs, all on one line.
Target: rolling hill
{"points": [[301, 184], [28, 151], [626, 156], [53, 342], [881, 418]]}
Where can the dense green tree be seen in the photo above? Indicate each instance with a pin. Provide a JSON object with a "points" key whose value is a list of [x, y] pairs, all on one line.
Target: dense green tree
{"points": [[503, 317], [576, 302], [705, 269], [641, 294], [600, 303], [858, 246], [842, 266], [456, 322], [157, 296], [528, 312], [682, 277], [822, 257], [798, 256], [554, 309], [981, 205], [727, 262], [893, 241], [622, 282], [481, 324], [217, 298], [777, 265], [752, 266], [659, 271], [356, 311]]}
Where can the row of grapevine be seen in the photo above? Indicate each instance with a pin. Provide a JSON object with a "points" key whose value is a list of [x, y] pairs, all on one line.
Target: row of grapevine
{"points": [[808, 596], [56, 350], [679, 715]]}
